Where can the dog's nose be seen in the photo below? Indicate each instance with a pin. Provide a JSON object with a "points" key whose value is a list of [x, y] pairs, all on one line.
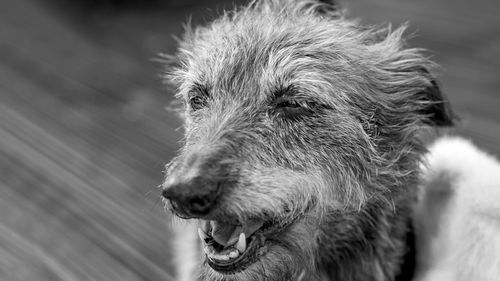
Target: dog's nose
{"points": [[193, 185], [191, 197]]}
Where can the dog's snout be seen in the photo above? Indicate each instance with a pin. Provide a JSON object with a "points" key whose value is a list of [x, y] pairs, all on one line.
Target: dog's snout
{"points": [[191, 197], [192, 189]]}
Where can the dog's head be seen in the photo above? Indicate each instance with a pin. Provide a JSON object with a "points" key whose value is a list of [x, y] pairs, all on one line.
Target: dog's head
{"points": [[292, 111]]}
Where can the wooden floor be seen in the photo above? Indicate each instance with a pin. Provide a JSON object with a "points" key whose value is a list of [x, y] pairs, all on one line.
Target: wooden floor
{"points": [[84, 133]]}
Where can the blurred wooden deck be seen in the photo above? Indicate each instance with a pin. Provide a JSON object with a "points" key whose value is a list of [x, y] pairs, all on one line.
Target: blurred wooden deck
{"points": [[84, 134]]}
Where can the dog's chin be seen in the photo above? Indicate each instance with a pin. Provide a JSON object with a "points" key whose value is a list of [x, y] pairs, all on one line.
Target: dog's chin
{"points": [[264, 260]]}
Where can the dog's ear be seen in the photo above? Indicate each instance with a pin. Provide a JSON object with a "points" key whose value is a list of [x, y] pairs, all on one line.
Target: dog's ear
{"points": [[437, 109], [406, 73]]}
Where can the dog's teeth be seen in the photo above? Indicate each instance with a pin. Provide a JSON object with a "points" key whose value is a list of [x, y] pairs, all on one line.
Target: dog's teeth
{"points": [[208, 250], [234, 254], [220, 257], [202, 234], [242, 243]]}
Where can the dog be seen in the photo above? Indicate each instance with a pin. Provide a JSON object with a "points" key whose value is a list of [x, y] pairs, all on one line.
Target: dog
{"points": [[302, 155]]}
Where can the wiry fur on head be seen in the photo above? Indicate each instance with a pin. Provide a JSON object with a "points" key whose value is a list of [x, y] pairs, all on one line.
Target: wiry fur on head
{"points": [[344, 169]]}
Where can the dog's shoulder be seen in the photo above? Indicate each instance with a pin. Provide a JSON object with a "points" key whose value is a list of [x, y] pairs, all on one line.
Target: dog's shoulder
{"points": [[457, 218]]}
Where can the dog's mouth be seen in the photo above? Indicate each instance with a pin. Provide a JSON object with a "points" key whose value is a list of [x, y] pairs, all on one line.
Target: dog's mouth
{"points": [[231, 247]]}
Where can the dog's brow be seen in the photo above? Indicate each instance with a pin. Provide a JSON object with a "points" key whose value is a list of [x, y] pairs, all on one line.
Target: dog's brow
{"points": [[296, 93], [200, 89], [280, 91]]}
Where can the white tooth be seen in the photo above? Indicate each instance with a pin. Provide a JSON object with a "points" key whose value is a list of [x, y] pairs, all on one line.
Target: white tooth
{"points": [[207, 250], [234, 254], [242, 243], [220, 257], [205, 226], [202, 234], [213, 224]]}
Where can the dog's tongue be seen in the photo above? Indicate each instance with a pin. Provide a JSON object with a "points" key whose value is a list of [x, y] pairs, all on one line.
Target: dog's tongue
{"points": [[227, 234]]}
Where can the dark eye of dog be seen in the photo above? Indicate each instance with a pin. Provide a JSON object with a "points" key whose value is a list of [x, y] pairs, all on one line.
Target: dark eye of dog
{"points": [[287, 104], [291, 109], [197, 102], [198, 97]]}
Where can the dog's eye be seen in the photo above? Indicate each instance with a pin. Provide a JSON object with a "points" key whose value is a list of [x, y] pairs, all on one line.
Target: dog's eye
{"points": [[288, 104], [291, 109], [198, 97], [197, 102]]}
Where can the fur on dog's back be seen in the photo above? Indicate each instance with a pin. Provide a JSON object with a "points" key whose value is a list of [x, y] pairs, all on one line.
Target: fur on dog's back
{"points": [[458, 216]]}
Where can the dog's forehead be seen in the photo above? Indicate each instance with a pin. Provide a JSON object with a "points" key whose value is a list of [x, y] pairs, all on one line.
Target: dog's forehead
{"points": [[253, 60]]}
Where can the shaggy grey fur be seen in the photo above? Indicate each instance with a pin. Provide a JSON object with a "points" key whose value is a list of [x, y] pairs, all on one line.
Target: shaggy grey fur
{"points": [[296, 115]]}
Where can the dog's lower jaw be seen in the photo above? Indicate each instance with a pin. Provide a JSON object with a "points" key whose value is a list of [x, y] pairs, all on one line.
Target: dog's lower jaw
{"points": [[276, 266]]}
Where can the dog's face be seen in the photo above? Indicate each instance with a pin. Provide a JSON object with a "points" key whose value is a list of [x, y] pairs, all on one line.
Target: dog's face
{"points": [[291, 113]]}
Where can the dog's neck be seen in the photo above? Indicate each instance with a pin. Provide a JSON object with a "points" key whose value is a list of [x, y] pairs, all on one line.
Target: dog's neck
{"points": [[373, 244]]}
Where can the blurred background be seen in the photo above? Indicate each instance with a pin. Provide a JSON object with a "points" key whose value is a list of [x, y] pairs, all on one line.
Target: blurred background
{"points": [[84, 134]]}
